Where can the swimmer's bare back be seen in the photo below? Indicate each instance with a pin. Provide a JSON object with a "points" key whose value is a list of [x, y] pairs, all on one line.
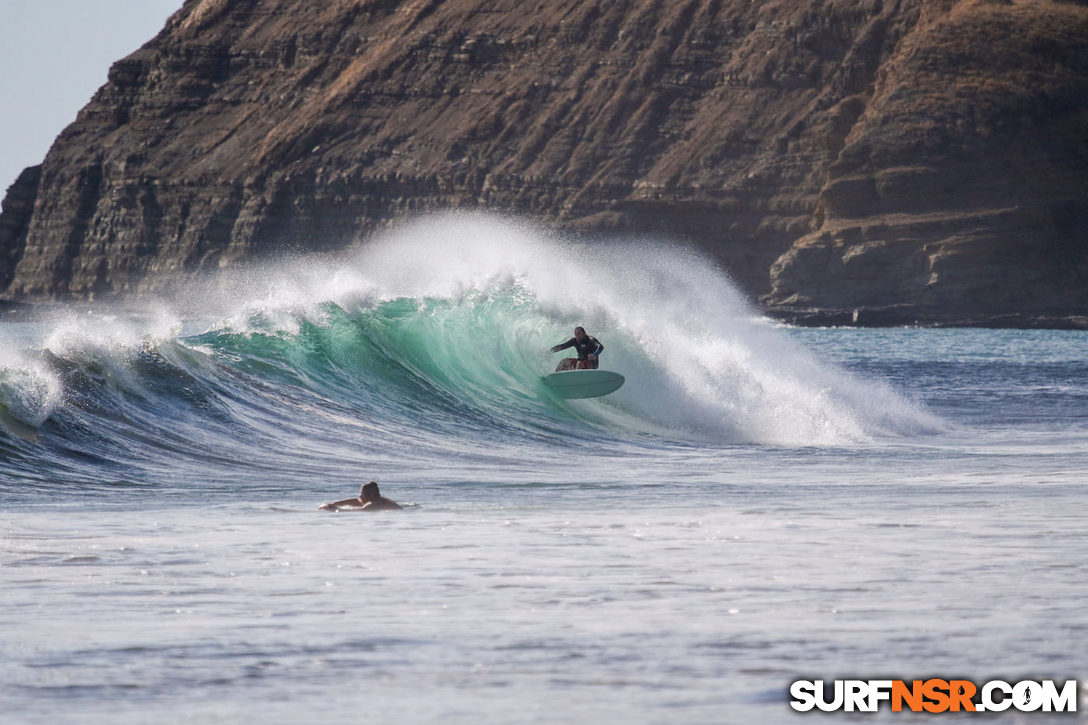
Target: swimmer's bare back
{"points": [[369, 499]]}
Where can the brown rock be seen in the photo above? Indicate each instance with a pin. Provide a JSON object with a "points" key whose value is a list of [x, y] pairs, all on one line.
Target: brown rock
{"points": [[960, 194], [834, 155]]}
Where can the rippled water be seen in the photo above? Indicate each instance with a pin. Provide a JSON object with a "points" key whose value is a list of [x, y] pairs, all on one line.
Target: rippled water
{"points": [[756, 505]]}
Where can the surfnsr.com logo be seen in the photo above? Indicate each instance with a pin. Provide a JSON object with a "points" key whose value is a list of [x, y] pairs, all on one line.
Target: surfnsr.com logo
{"points": [[933, 695]]}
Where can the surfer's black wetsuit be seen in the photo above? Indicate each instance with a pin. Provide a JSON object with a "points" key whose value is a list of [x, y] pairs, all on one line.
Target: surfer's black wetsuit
{"points": [[585, 347]]}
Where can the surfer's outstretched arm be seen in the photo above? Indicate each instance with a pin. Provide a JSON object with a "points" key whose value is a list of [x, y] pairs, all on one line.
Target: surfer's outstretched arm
{"points": [[337, 505]]}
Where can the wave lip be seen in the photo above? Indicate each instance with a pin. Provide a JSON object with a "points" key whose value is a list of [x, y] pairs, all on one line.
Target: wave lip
{"points": [[30, 391], [469, 304]]}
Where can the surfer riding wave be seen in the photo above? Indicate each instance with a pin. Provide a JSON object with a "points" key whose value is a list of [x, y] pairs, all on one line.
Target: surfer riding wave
{"points": [[588, 348]]}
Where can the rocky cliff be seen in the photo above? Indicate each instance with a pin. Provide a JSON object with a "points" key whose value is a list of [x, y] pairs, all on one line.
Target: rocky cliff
{"points": [[846, 161]]}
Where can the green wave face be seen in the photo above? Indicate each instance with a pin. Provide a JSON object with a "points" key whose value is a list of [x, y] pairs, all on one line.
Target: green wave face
{"points": [[457, 313], [427, 344], [465, 367]]}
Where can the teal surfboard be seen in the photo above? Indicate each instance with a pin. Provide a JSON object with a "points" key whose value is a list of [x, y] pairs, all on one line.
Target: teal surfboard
{"points": [[583, 383]]}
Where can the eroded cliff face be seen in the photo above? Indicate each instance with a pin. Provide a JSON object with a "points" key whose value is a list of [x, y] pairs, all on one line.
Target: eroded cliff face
{"points": [[961, 193], [906, 156]]}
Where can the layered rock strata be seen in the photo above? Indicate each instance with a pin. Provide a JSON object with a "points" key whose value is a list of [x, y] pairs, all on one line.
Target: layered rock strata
{"points": [[858, 161]]}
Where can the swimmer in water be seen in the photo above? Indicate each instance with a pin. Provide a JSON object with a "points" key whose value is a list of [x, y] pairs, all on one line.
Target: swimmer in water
{"points": [[370, 499]]}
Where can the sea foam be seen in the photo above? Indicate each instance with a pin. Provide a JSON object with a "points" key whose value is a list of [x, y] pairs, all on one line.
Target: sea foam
{"points": [[480, 299]]}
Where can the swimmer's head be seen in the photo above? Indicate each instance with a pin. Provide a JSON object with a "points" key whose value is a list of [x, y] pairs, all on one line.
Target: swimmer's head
{"points": [[369, 491]]}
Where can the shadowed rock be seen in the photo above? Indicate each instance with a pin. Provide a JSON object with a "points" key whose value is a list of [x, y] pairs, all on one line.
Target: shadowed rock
{"points": [[925, 159]]}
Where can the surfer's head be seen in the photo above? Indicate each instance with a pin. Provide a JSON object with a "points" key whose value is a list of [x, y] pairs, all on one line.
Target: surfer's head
{"points": [[369, 491], [579, 332]]}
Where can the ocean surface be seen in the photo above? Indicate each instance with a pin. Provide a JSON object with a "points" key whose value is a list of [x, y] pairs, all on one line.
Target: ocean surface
{"points": [[758, 504]]}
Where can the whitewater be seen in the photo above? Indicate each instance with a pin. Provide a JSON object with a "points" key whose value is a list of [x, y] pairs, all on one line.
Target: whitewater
{"points": [[758, 504]]}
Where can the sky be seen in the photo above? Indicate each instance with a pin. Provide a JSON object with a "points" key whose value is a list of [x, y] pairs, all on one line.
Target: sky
{"points": [[54, 55]]}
